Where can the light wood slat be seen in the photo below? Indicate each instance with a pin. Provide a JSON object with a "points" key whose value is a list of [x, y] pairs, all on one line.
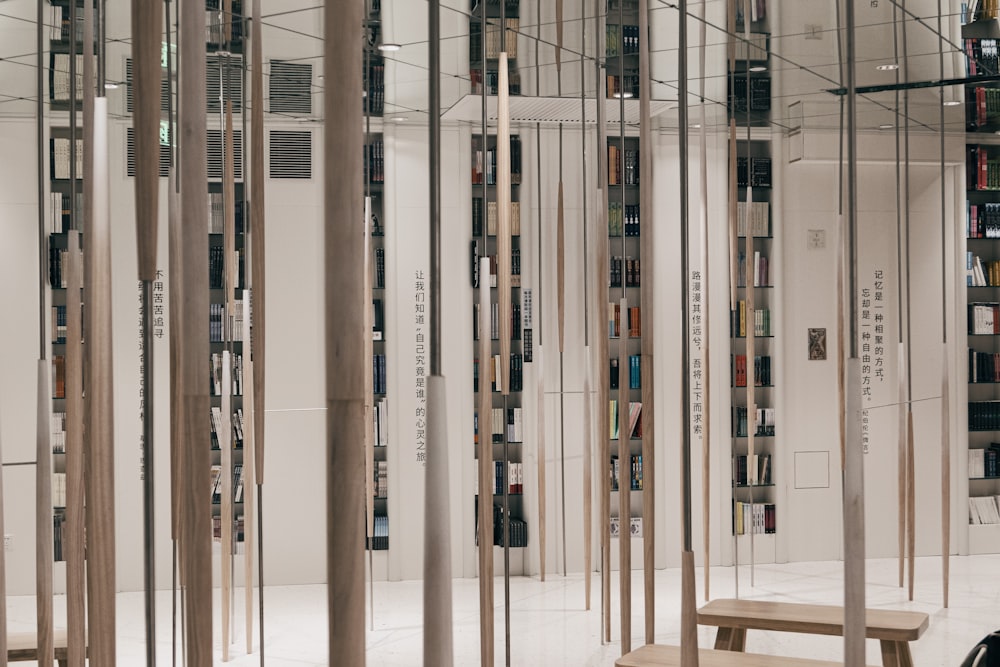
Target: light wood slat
{"points": [[911, 500], [588, 479], [624, 486], [438, 624], [503, 223], [561, 269], [888, 624], [706, 440], [257, 213], [249, 484], [670, 656], [226, 502], [74, 544], [369, 441], [147, 26], [345, 303], [43, 515], [541, 453], [945, 475], [689, 621], [647, 306], [227, 21], [901, 458], [175, 288], [486, 470], [559, 38], [196, 538], [99, 389]]}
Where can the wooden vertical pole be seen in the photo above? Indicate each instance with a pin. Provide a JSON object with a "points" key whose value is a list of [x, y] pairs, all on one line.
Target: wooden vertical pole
{"points": [[588, 417], [561, 289], [647, 314], [624, 484], [486, 471], [249, 477], [3, 580], [345, 335], [369, 440], [706, 310], [196, 524], [76, 583]]}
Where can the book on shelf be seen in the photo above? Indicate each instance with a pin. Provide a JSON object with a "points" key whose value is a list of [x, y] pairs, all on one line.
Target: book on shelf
{"points": [[378, 319], [752, 96], [374, 162], [979, 273], [635, 527], [58, 489], [635, 419], [635, 472], [378, 374], [379, 268], [59, 211], [634, 371], [236, 374], [761, 370], [381, 418], [380, 533], [216, 474], [984, 367], [380, 480], [621, 40], [374, 85], [761, 275], [982, 107], [237, 482], [514, 478], [492, 81], [627, 84], [983, 510], [758, 12], [764, 421], [984, 415], [492, 217], [494, 43], [58, 526], [983, 462], [623, 165], [58, 267], [613, 419], [633, 321], [984, 318], [484, 166], [623, 220], [59, 77], [57, 432], [982, 56], [613, 375], [752, 471], [58, 376], [624, 269], [753, 172], [61, 158], [58, 324], [758, 518], [217, 214], [518, 529]]}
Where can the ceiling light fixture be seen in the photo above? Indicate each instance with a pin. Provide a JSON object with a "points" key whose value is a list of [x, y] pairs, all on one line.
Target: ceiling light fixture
{"points": [[110, 86], [886, 126], [887, 67], [951, 103], [401, 119], [626, 95], [389, 47], [758, 68]]}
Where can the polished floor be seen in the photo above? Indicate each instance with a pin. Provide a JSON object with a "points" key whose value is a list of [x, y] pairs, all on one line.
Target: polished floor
{"points": [[549, 625]]}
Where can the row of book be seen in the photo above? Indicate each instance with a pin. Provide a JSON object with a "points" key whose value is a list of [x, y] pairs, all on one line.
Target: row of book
{"points": [[59, 24], [634, 372], [238, 542], [57, 432], [59, 267], [982, 56], [518, 529], [979, 10], [380, 533], [635, 472], [379, 268], [984, 367], [237, 483], [374, 170], [752, 47], [757, 518], [761, 370], [59, 78], [982, 107], [375, 87], [492, 217], [514, 478], [634, 419], [381, 418], [378, 320], [494, 44], [485, 166], [979, 273], [58, 527], [982, 221], [509, 424], [983, 462], [620, 40], [221, 30], [758, 12], [60, 164], [623, 165], [627, 269], [516, 373], [58, 376], [753, 172], [759, 215], [764, 421], [58, 324], [635, 526], [237, 428], [983, 169], [58, 490], [492, 81], [761, 270], [217, 268], [515, 266], [236, 370], [59, 211], [623, 220], [761, 321], [752, 471], [217, 214], [380, 483], [634, 321], [379, 385], [984, 415], [515, 321], [627, 85], [984, 510], [984, 318], [751, 96], [223, 326]]}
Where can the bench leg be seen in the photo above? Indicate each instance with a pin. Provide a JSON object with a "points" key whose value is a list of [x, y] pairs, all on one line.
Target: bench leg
{"points": [[730, 639], [890, 655], [903, 650]]}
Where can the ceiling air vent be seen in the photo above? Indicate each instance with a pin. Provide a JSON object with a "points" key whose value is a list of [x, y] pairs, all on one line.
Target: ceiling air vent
{"points": [[290, 88], [291, 154]]}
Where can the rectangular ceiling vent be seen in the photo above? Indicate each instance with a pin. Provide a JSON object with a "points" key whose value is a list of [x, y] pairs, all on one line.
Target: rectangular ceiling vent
{"points": [[130, 155], [227, 70], [215, 154], [290, 88], [291, 154], [164, 89]]}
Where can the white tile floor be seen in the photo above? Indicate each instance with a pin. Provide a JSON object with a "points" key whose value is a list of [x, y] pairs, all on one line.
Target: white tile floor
{"points": [[550, 627]]}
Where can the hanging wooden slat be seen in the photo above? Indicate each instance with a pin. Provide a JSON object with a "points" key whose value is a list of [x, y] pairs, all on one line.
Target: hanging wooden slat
{"points": [[3, 579], [43, 520], [76, 584], [486, 470], [147, 26], [706, 440], [503, 221], [346, 365], [257, 212], [541, 454], [369, 441], [249, 482], [624, 485], [226, 501]]}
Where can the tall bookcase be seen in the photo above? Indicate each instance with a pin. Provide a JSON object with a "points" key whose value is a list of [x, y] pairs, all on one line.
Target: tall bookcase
{"points": [[375, 185], [982, 263], [507, 415]]}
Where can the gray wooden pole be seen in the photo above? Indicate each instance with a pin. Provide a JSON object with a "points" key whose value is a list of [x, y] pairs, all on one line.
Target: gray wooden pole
{"points": [[945, 367], [344, 316]]}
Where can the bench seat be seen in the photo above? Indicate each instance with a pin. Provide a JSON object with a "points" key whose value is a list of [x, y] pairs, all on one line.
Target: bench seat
{"points": [[23, 647], [656, 655]]}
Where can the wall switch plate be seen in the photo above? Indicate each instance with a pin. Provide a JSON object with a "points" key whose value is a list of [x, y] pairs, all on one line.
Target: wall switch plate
{"points": [[816, 239]]}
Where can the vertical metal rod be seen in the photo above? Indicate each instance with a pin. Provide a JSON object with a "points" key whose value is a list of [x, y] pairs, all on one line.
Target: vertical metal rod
{"points": [[750, 301], [706, 310], [148, 497]]}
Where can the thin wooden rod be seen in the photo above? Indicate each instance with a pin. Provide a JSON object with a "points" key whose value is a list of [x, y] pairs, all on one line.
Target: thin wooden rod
{"points": [[733, 265], [706, 421], [624, 486], [346, 366], [43, 521], [3, 581], [588, 424], [945, 369], [486, 471], [539, 299], [76, 580]]}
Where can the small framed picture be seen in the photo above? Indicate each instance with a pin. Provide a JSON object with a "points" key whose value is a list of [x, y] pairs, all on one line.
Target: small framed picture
{"points": [[817, 344]]}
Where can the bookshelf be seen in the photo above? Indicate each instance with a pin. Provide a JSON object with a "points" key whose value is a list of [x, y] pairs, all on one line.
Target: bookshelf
{"points": [[374, 176], [508, 425], [488, 72], [374, 63]]}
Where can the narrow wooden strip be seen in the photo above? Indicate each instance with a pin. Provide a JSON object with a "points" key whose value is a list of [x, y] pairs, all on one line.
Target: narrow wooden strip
{"points": [[257, 192], [603, 403], [196, 538], [559, 36], [346, 365], [227, 21], [175, 289], [43, 519], [3, 581], [706, 440], [723, 638], [890, 657], [588, 479], [689, 615], [147, 26], [486, 471], [945, 475], [76, 582], [561, 268], [624, 489], [901, 459], [503, 222], [226, 502], [249, 489], [911, 501], [541, 453], [369, 440], [99, 390]]}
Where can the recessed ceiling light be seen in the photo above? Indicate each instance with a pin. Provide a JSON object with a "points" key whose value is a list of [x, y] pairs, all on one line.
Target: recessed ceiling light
{"points": [[951, 103], [401, 119], [758, 68], [110, 86], [696, 126], [887, 67], [389, 47], [626, 95], [886, 126]]}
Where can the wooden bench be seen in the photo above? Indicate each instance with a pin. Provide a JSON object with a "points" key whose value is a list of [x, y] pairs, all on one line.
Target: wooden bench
{"points": [[654, 655], [894, 629], [23, 647]]}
